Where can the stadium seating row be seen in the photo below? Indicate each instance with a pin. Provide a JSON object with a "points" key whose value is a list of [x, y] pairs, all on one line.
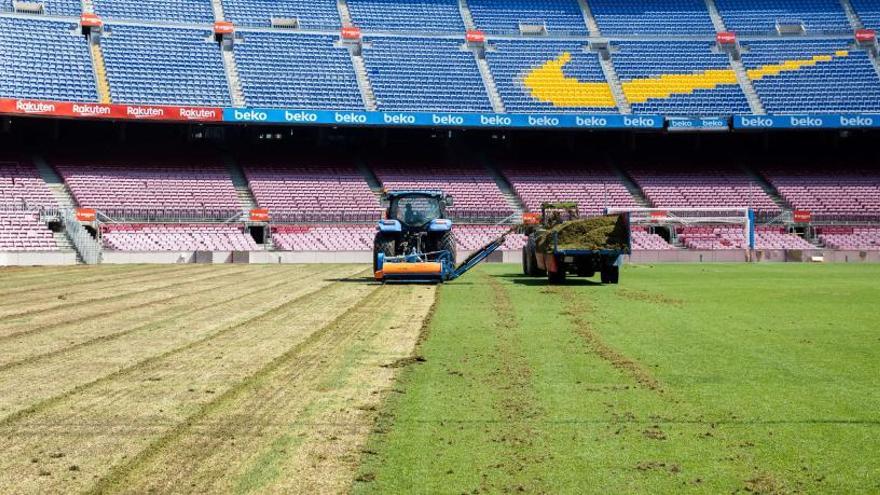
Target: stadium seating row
{"points": [[283, 69]]}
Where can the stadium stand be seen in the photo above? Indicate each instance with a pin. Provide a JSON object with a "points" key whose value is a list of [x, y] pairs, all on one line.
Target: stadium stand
{"points": [[424, 74], [177, 237], [297, 71], [22, 231], [817, 76], [642, 240], [733, 237], [761, 16], [668, 17], [473, 237], [701, 187], [505, 16], [182, 11], [337, 237], [166, 187], [413, 16], [830, 194], [22, 187], [164, 66], [49, 61], [862, 238], [51, 7], [311, 14], [524, 90], [475, 192], [868, 12], [594, 188], [695, 80], [311, 189]]}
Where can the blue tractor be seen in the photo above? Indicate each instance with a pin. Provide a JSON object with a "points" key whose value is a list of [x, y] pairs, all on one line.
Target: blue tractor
{"points": [[415, 243]]}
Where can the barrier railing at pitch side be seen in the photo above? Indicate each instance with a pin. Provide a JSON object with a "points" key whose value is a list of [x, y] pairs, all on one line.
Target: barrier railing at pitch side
{"points": [[88, 247]]}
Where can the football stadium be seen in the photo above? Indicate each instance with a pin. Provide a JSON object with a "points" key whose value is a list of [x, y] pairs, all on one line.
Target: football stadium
{"points": [[439, 246]]}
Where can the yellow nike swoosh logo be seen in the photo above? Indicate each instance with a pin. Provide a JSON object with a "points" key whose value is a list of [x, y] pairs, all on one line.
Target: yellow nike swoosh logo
{"points": [[549, 84]]}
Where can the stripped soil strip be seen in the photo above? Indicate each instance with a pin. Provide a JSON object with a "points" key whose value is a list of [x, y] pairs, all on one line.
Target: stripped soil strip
{"points": [[104, 426], [578, 311], [37, 321], [50, 340], [297, 425], [36, 278], [34, 386]]}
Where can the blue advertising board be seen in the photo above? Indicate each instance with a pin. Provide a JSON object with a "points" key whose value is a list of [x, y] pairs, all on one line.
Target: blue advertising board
{"points": [[704, 124], [819, 121], [440, 119]]}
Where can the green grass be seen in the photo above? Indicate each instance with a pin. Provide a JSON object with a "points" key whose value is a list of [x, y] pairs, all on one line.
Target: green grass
{"points": [[683, 379]]}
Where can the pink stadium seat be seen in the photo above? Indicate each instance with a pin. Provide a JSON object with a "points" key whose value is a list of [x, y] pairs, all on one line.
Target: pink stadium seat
{"points": [[312, 189], [192, 186], [177, 237], [724, 187], [830, 194], [594, 188], [21, 185], [360, 237], [858, 238], [734, 237], [25, 232], [642, 240]]}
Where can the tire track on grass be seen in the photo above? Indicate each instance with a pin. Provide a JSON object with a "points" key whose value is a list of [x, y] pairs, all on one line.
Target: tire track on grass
{"points": [[255, 406], [293, 297], [56, 288], [518, 404], [181, 309], [149, 400], [578, 313], [63, 307]]}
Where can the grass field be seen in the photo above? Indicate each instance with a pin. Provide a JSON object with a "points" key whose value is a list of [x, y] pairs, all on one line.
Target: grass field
{"points": [[311, 379]]}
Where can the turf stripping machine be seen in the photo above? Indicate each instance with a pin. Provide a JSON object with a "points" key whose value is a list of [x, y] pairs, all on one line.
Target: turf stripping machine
{"points": [[414, 242]]}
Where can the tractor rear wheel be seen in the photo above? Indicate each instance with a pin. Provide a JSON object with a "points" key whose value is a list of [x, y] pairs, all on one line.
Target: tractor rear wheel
{"points": [[446, 242], [610, 275], [382, 244]]}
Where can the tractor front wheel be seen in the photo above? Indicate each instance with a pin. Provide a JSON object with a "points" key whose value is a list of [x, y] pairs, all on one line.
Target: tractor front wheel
{"points": [[530, 261], [383, 244], [446, 242]]}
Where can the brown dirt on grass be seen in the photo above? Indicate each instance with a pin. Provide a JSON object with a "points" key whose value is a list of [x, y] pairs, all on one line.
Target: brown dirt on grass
{"points": [[764, 484], [658, 466], [578, 311], [648, 297], [298, 425]]}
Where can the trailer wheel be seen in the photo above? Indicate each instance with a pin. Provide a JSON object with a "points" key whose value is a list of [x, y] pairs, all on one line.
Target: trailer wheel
{"points": [[382, 244], [614, 275], [556, 277]]}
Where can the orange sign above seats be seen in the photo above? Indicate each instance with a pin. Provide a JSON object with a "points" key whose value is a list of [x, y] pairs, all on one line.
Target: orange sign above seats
{"points": [[260, 215], [726, 38], [86, 215], [475, 36], [803, 216], [866, 35], [351, 33], [90, 20], [224, 27]]}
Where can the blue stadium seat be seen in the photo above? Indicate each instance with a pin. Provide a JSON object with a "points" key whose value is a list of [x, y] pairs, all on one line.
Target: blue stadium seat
{"points": [[45, 60], [760, 16], [52, 7], [164, 66], [640, 60], [845, 84], [425, 74], [416, 15], [868, 11], [312, 14], [192, 11], [512, 58], [504, 16], [664, 17], [288, 70]]}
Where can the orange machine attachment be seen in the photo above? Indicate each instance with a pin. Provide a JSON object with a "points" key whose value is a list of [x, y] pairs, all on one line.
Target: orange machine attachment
{"points": [[390, 271]]}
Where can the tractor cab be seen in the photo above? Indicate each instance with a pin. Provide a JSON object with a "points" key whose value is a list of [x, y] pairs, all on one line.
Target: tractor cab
{"points": [[415, 210]]}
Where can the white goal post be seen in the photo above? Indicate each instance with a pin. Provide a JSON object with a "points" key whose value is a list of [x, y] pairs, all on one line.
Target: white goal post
{"points": [[692, 217]]}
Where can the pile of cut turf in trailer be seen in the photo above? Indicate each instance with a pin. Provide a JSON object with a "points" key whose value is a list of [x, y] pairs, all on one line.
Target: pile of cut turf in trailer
{"points": [[608, 232]]}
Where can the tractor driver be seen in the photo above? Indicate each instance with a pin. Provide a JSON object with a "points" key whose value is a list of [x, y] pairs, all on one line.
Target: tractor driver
{"points": [[410, 217]]}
